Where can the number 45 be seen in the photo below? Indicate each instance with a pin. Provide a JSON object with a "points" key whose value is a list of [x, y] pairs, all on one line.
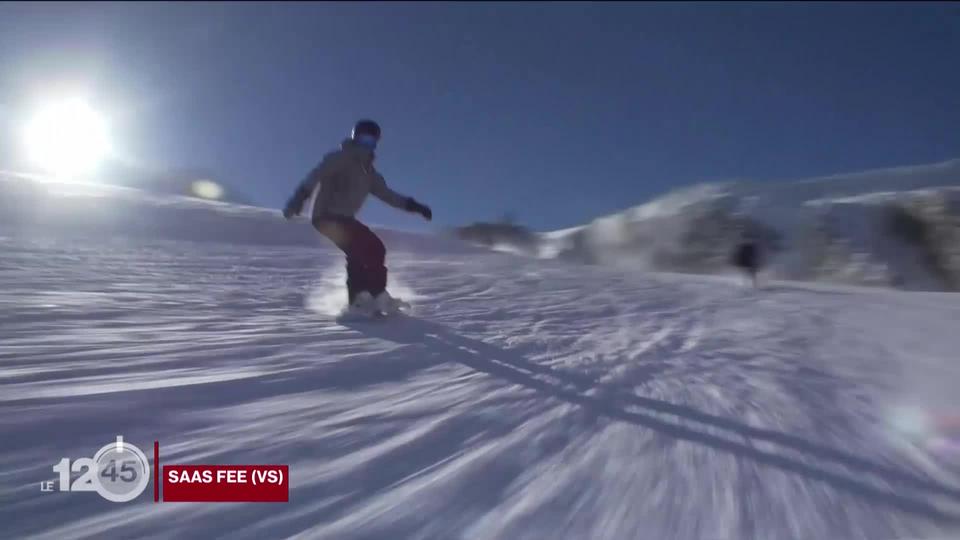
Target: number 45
{"points": [[87, 468]]}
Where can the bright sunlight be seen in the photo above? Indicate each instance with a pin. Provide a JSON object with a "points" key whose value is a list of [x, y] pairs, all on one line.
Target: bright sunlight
{"points": [[68, 139]]}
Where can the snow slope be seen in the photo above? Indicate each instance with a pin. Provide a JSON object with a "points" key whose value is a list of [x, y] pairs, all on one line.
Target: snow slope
{"points": [[695, 229], [522, 399]]}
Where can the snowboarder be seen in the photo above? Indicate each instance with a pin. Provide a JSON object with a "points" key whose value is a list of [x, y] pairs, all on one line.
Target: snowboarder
{"points": [[747, 258], [345, 177]]}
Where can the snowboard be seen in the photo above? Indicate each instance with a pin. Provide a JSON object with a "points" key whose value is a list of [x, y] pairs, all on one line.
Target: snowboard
{"points": [[371, 313]]}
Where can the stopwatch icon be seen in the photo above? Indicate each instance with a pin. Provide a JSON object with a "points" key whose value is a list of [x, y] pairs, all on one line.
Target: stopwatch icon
{"points": [[122, 471]]}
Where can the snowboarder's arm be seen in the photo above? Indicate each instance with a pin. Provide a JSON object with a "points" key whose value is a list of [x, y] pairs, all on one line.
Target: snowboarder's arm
{"points": [[380, 190], [396, 200], [324, 170]]}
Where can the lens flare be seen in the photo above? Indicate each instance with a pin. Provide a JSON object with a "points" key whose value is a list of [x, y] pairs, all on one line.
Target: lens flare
{"points": [[936, 432], [207, 189], [912, 422]]}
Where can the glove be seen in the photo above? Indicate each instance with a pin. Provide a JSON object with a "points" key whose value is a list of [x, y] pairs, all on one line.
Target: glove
{"points": [[422, 209], [293, 207]]}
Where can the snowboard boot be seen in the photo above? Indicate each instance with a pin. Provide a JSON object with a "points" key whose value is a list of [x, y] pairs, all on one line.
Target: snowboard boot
{"points": [[389, 305], [363, 304]]}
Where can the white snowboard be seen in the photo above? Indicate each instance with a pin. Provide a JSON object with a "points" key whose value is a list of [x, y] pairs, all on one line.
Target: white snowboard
{"points": [[371, 311]]}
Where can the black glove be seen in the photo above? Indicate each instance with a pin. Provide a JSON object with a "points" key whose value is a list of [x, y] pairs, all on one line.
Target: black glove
{"points": [[294, 206], [422, 209]]}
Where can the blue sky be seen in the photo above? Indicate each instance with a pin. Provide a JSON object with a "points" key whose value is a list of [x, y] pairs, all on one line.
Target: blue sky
{"points": [[557, 112]]}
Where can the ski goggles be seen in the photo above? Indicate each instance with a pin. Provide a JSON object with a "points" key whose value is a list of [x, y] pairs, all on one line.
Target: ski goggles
{"points": [[366, 140]]}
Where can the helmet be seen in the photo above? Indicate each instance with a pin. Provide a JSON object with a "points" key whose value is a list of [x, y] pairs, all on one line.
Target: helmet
{"points": [[366, 127]]}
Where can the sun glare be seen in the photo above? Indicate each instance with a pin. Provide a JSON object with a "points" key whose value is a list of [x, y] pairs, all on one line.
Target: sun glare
{"points": [[68, 139], [207, 189]]}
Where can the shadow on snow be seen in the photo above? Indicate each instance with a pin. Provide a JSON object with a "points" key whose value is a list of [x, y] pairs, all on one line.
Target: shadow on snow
{"points": [[439, 341]]}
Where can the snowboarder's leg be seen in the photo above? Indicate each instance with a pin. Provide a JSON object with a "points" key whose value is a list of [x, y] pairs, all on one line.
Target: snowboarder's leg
{"points": [[356, 282], [347, 235], [371, 254]]}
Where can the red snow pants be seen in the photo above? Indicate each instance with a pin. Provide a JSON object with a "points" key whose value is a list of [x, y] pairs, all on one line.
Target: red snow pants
{"points": [[365, 253]]}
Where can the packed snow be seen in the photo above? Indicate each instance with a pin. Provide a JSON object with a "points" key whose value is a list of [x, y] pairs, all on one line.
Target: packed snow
{"points": [[521, 398]]}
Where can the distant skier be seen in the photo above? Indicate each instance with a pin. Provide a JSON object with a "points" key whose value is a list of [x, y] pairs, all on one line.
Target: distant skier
{"points": [[747, 258], [345, 178]]}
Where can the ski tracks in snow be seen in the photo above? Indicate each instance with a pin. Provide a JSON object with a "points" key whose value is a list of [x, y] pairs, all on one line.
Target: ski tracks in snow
{"points": [[522, 399]]}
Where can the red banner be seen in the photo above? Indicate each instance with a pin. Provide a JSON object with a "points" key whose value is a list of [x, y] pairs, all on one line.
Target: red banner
{"points": [[226, 483]]}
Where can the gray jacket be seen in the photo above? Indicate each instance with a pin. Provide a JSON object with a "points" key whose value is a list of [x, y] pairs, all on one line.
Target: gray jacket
{"points": [[345, 177]]}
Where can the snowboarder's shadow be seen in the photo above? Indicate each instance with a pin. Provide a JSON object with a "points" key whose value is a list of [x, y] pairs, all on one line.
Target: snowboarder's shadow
{"points": [[445, 345]]}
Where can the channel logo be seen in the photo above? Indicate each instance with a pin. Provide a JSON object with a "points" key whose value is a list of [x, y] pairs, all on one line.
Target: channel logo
{"points": [[120, 472]]}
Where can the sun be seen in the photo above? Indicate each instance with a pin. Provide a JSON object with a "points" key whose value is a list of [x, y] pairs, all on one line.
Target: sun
{"points": [[68, 139]]}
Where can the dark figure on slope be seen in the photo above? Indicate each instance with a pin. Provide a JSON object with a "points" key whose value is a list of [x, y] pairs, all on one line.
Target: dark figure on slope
{"points": [[345, 177], [746, 256]]}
